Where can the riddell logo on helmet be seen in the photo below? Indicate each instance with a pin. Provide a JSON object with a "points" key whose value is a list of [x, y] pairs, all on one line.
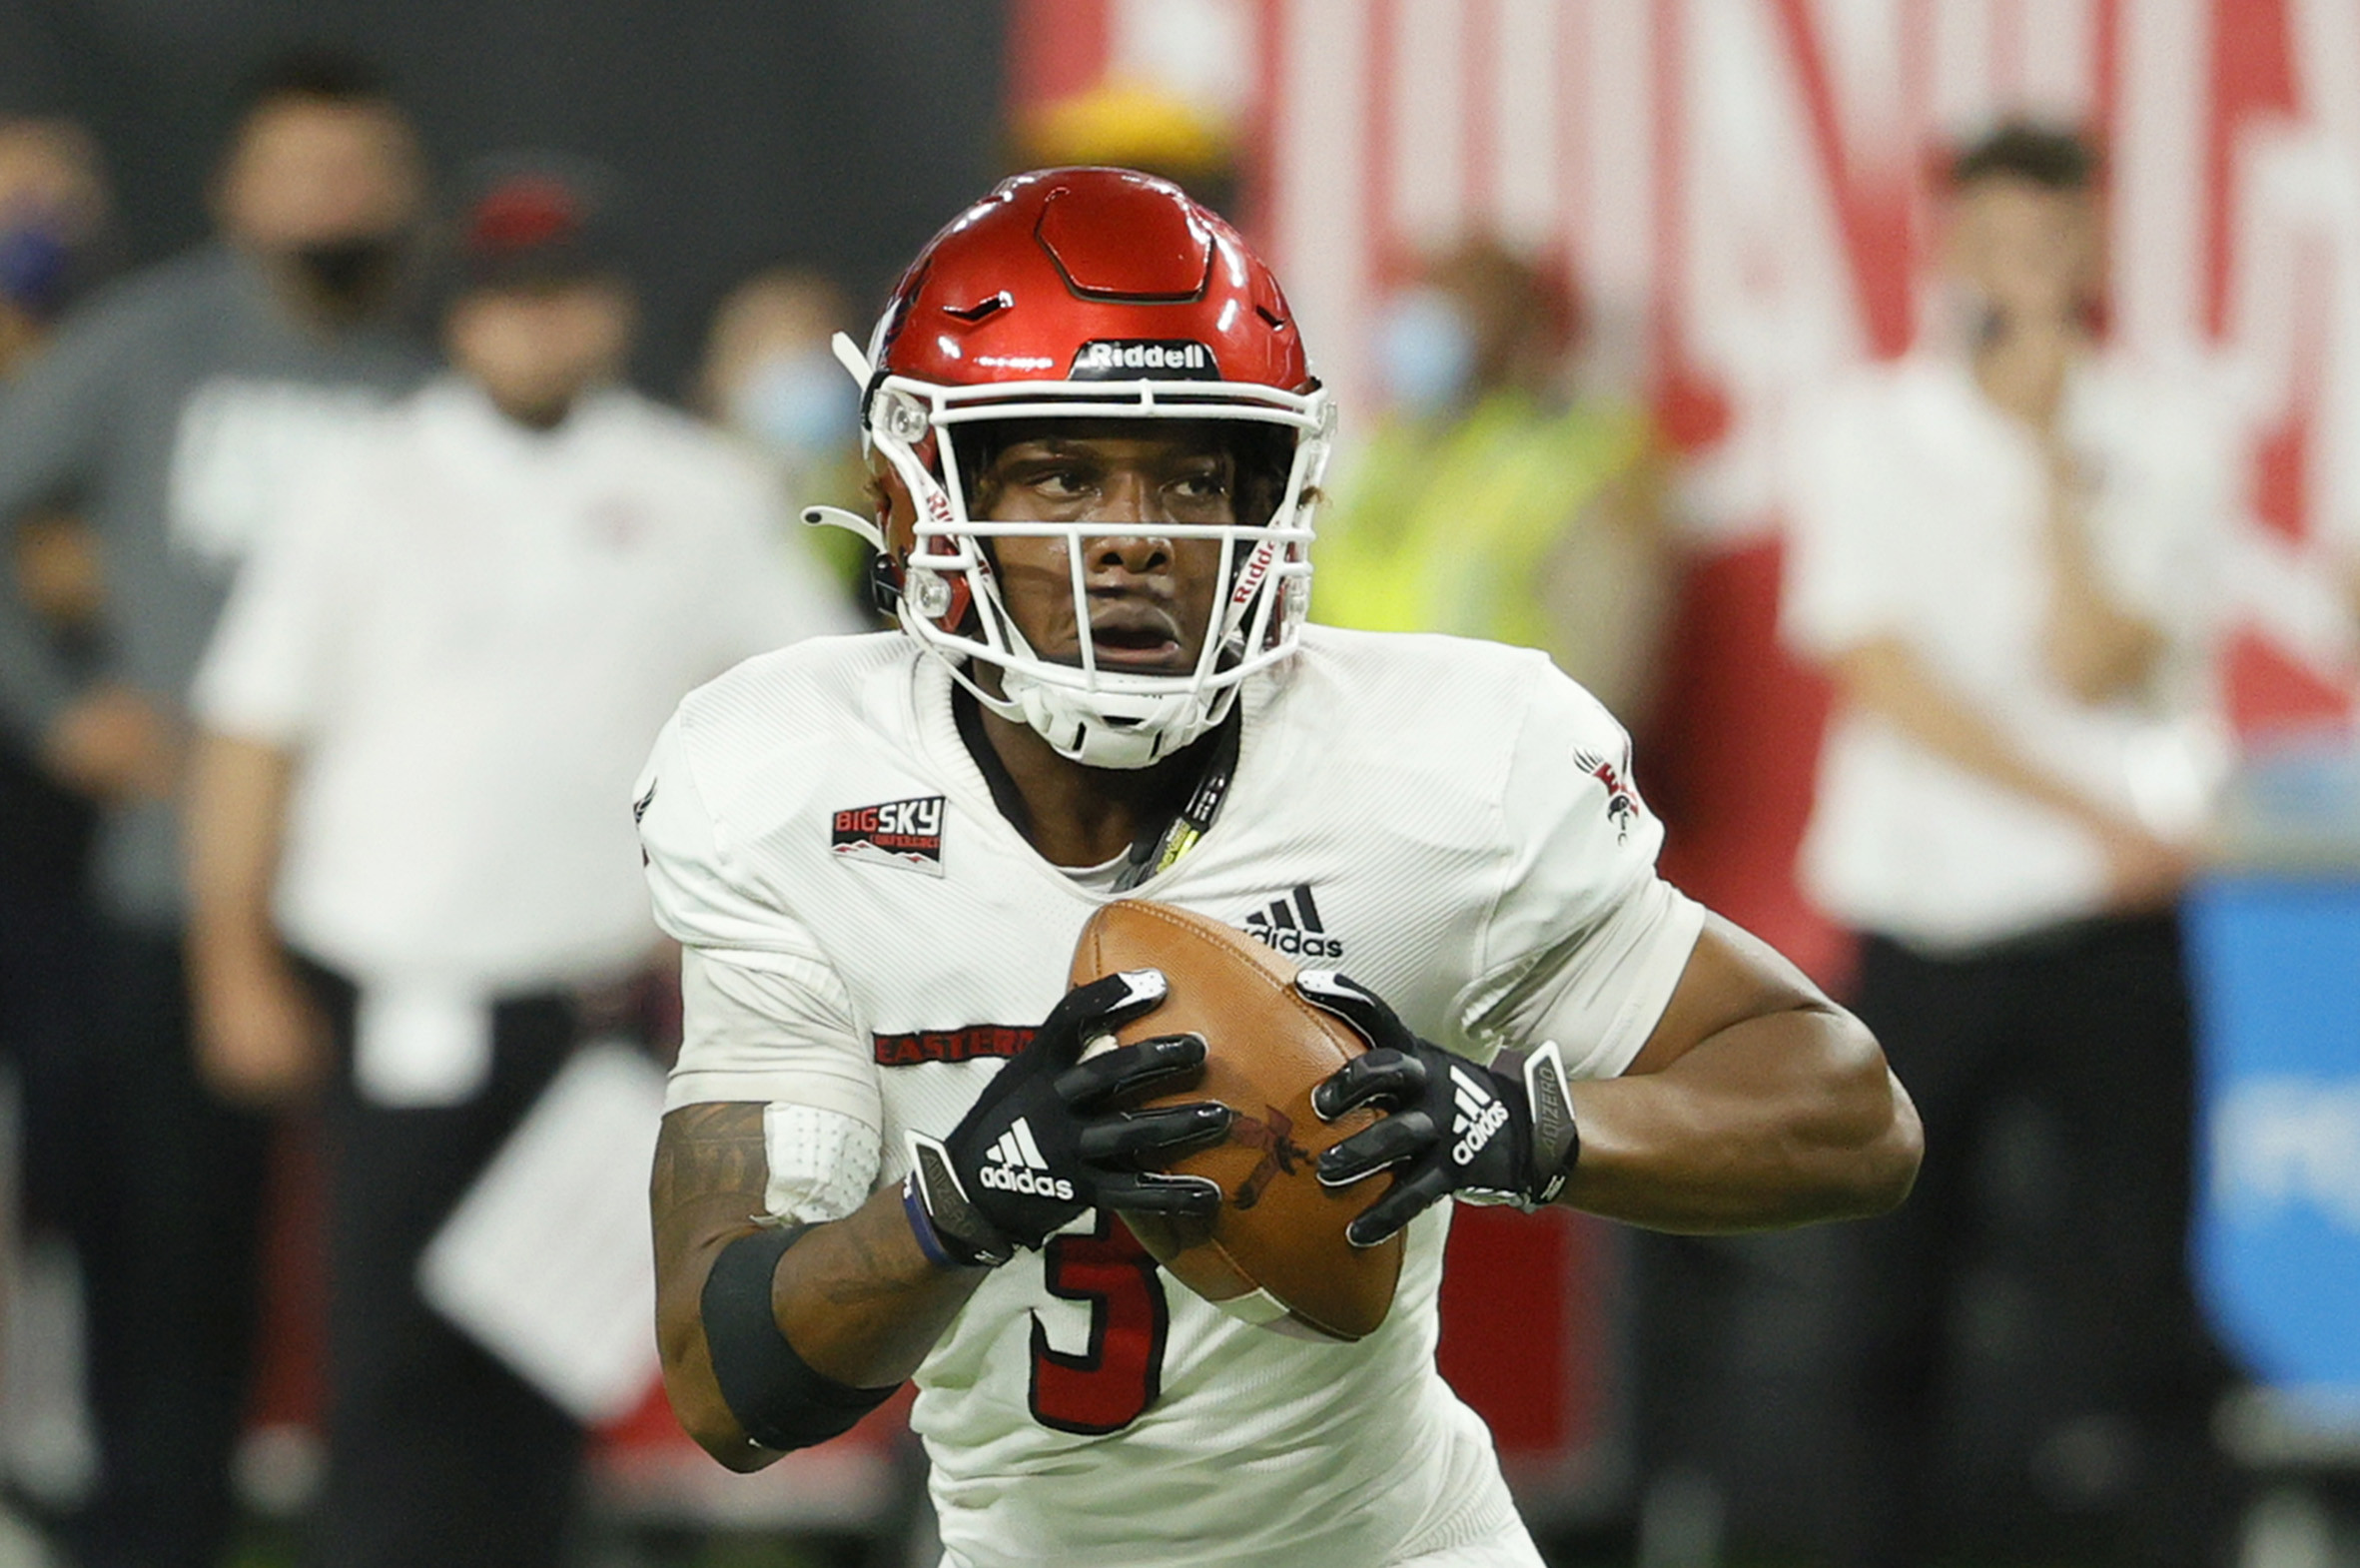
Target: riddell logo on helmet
{"points": [[1137, 358], [1257, 567]]}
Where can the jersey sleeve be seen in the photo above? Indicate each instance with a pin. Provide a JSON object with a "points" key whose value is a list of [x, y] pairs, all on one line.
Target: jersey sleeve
{"points": [[765, 1018], [1585, 943], [776, 1028], [701, 896]]}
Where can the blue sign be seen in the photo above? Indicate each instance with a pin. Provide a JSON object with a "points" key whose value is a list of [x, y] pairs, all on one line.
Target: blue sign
{"points": [[2275, 966]]}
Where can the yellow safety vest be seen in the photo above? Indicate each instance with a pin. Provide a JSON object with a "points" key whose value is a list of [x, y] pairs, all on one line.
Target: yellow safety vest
{"points": [[1449, 528]]}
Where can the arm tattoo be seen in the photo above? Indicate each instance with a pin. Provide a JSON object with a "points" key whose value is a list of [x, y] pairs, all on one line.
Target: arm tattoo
{"points": [[862, 1303], [708, 1154], [709, 1166], [857, 1272]]}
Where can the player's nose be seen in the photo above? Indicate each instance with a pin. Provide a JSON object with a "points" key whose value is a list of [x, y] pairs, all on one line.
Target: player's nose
{"points": [[1113, 556], [1126, 507]]}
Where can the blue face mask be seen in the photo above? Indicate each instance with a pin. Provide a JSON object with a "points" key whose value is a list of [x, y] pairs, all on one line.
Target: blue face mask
{"points": [[1425, 353], [36, 266], [798, 404]]}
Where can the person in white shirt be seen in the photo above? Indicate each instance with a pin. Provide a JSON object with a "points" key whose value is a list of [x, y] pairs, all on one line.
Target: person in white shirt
{"points": [[1096, 446], [426, 694], [2014, 558]]}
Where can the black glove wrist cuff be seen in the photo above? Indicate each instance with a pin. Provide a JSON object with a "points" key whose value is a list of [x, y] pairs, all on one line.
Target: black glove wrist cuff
{"points": [[941, 1251], [1556, 1140], [960, 1232]]}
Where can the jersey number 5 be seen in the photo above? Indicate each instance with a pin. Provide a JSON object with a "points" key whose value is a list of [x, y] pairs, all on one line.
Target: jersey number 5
{"points": [[1110, 1384]]}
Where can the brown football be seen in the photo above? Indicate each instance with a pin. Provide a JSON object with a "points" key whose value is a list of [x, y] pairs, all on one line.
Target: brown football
{"points": [[1275, 1253]]}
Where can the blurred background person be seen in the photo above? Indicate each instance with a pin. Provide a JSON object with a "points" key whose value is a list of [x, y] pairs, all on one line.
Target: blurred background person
{"points": [[55, 241], [1492, 502], [770, 378], [167, 414], [2010, 551], [409, 823], [56, 237]]}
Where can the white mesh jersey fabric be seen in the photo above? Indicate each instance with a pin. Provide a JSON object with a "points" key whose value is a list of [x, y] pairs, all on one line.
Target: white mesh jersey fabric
{"points": [[1449, 822]]}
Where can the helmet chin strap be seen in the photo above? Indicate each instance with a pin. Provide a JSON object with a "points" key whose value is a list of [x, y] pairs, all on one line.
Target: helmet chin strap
{"points": [[1080, 731]]}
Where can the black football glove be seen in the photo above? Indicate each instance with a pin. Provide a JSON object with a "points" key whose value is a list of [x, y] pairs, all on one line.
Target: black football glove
{"points": [[1041, 1145], [1490, 1135]]}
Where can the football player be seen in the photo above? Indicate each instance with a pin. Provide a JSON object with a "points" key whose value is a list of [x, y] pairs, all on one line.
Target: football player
{"points": [[1098, 445]]}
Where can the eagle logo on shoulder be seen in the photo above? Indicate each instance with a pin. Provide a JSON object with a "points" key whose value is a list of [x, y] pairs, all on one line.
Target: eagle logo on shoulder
{"points": [[1622, 801]]}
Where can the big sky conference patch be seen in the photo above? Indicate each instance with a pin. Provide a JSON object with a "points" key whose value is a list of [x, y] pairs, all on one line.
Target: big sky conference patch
{"points": [[904, 834]]}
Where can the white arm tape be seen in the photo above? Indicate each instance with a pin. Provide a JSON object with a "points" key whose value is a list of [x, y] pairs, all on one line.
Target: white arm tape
{"points": [[822, 1163]]}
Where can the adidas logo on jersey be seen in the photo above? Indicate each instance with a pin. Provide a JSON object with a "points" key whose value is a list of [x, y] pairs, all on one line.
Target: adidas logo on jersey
{"points": [[1015, 1164], [1477, 1119], [1291, 926]]}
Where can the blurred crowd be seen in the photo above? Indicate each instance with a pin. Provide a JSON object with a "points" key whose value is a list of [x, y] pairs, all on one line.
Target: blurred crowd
{"points": [[349, 583], [331, 661]]}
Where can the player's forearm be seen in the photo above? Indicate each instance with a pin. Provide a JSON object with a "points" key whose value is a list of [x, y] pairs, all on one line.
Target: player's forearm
{"points": [[860, 1302], [855, 1298], [2100, 653], [1779, 1119]]}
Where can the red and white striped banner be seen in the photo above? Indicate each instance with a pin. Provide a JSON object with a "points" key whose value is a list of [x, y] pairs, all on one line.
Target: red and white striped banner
{"points": [[1737, 187]]}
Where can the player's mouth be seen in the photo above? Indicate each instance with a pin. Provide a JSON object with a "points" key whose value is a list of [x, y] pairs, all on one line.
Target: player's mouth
{"points": [[1131, 636]]}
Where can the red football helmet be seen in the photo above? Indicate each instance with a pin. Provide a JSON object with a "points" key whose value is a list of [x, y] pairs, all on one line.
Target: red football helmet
{"points": [[1087, 294]]}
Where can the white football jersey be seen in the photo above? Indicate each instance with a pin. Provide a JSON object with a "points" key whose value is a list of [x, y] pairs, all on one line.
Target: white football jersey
{"points": [[1451, 823]]}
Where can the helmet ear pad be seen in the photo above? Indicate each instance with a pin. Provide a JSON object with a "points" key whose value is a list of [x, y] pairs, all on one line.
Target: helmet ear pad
{"points": [[895, 508]]}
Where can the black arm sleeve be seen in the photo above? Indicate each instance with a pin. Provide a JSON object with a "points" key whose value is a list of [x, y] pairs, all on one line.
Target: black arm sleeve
{"points": [[780, 1402]]}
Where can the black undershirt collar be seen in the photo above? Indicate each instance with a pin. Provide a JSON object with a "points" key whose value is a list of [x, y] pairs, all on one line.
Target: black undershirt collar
{"points": [[1164, 836]]}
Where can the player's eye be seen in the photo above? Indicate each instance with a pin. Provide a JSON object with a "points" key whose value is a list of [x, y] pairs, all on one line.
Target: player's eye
{"points": [[1059, 479], [1207, 484]]}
